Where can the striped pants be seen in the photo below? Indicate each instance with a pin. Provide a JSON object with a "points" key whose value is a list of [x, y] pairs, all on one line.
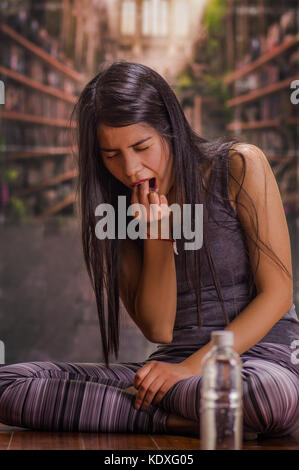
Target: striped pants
{"points": [[87, 397]]}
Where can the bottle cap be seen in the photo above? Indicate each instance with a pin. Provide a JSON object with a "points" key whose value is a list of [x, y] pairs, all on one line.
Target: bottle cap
{"points": [[222, 338]]}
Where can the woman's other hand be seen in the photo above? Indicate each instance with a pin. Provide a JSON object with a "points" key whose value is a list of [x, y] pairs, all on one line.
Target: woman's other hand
{"points": [[155, 378]]}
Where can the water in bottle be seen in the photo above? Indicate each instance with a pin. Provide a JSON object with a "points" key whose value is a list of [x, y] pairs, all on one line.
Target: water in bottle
{"points": [[221, 417]]}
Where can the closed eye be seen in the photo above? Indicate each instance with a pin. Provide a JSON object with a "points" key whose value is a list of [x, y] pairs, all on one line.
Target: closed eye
{"points": [[137, 150]]}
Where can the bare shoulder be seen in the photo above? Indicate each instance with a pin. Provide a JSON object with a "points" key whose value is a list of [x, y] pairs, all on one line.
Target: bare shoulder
{"points": [[253, 155], [258, 172]]}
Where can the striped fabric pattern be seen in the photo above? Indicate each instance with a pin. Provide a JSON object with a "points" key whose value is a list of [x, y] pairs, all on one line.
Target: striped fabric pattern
{"points": [[87, 397]]}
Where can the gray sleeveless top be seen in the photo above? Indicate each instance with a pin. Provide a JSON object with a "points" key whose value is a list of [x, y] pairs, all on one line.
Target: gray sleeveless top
{"points": [[231, 260]]}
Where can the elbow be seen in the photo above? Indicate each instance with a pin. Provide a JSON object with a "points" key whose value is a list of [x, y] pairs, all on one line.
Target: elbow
{"points": [[160, 337], [282, 298], [289, 304], [287, 299], [287, 295]]}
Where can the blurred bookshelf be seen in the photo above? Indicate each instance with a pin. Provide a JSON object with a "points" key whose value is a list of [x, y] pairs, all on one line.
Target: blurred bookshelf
{"points": [[37, 155], [260, 100]]}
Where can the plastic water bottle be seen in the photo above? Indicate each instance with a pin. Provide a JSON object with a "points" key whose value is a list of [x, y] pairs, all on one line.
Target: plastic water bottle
{"points": [[221, 416]]}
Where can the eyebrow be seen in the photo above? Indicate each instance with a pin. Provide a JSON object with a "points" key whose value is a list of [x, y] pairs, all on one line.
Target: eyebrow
{"points": [[133, 145]]}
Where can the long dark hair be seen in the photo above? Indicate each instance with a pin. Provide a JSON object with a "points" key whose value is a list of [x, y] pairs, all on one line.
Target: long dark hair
{"points": [[123, 94]]}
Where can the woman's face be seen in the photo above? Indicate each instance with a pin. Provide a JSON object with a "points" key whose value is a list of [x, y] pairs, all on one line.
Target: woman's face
{"points": [[136, 152]]}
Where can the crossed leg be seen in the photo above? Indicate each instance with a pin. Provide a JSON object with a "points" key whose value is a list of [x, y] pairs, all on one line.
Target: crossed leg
{"points": [[64, 396]]}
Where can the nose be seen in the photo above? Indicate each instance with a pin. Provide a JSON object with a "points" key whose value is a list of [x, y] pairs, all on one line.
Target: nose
{"points": [[131, 165]]}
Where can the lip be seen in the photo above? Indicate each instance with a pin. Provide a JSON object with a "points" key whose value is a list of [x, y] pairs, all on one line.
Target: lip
{"points": [[140, 181]]}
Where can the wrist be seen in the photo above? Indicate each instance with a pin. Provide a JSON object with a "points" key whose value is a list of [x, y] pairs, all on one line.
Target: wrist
{"points": [[193, 365], [149, 241], [187, 369], [159, 238], [194, 362], [155, 232]]}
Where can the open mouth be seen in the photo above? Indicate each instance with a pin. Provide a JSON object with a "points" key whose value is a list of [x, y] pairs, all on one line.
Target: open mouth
{"points": [[138, 182], [152, 183]]}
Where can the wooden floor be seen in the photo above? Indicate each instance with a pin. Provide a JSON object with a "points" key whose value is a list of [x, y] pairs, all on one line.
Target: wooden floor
{"points": [[15, 438]]}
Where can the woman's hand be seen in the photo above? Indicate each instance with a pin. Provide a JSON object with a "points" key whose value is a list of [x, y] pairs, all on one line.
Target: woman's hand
{"points": [[155, 204], [155, 378]]}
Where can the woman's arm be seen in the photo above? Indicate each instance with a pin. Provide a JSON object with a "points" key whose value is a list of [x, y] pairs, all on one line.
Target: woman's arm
{"points": [[274, 289], [148, 288], [156, 297], [153, 292]]}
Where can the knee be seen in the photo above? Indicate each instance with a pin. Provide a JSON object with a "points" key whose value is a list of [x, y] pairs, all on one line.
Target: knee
{"points": [[13, 378], [19, 370], [269, 409], [285, 417], [10, 376]]}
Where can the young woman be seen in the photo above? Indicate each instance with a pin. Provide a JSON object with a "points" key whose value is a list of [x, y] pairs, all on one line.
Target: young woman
{"points": [[132, 129]]}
